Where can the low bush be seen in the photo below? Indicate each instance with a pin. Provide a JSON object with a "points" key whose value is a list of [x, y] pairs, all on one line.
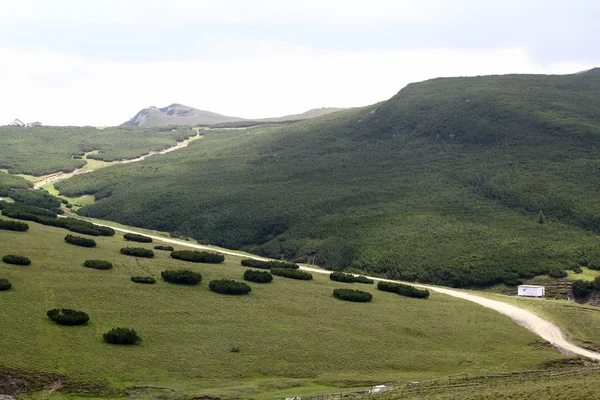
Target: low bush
{"points": [[134, 237], [98, 264], [403, 290], [513, 282], [137, 252], [228, 286], [72, 224], [291, 273], [122, 336], [42, 212], [349, 278], [181, 276], [258, 276], [581, 289], [65, 316], [557, 273], [4, 284], [13, 226], [16, 260], [249, 262], [198, 256], [352, 295], [80, 241], [596, 284], [577, 270], [165, 248], [143, 279]]}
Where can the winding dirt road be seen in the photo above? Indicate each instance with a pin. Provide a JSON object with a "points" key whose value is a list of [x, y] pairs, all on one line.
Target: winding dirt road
{"points": [[528, 319]]}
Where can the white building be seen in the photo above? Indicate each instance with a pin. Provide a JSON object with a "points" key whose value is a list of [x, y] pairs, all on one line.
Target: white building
{"points": [[17, 122], [531, 291]]}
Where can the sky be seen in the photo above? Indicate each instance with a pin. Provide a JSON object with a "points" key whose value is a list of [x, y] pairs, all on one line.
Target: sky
{"points": [[98, 62]]}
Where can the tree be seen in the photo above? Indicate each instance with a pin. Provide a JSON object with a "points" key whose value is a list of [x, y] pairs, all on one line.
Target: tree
{"points": [[581, 289], [541, 218]]}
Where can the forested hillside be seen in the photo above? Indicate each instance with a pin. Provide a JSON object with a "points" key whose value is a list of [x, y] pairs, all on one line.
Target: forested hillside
{"points": [[442, 183]]}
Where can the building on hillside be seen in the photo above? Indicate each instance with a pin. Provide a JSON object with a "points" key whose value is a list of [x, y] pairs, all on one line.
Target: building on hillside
{"points": [[531, 291], [17, 122], [34, 124]]}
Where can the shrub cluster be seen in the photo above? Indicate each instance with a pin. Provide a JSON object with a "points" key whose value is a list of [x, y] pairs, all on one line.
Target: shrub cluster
{"points": [[13, 225], [228, 286], [165, 248], [72, 224], [513, 282], [80, 241], [4, 284], [17, 260], [291, 273], [134, 237], [137, 252], [181, 276], [42, 212], [258, 276], [65, 316], [98, 264], [352, 295], [581, 289], [557, 273], [403, 290], [143, 279], [122, 336], [198, 256], [249, 262], [349, 278]]}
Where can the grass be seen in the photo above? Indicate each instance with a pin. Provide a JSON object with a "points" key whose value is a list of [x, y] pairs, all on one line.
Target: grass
{"points": [[294, 337], [586, 274]]}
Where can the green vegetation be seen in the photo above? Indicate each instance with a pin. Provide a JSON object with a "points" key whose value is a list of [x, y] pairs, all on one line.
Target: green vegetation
{"points": [[122, 336], [48, 149], [13, 225], [181, 276], [8, 181], [66, 316], [143, 279], [291, 273], [403, 290], [250, 262], [80, 241], [198, 256], [258, 276], [441, 184], [349, 278], [98, 264], [357, 296], [4, 284], [229, 286], [582, 289], [137, 252], [557, 273], [137, 238], [16, 260], [164, 248], [188, 332]]}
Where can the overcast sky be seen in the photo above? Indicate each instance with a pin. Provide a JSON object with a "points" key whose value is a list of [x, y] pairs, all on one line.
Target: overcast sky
{"points": [[92, 62]]}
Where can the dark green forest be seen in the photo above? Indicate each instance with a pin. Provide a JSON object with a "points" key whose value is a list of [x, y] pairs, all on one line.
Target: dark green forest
{"points": [[443, 183]]}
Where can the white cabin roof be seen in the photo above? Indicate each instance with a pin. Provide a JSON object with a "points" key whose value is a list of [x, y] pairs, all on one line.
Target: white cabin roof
{"points": [[531, 286]]}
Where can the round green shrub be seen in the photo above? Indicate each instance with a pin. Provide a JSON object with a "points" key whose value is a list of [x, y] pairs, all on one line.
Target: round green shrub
{"points": [[292, 273], [143, 279], [134, 237], [558, 273], [349, 278], [165, 248], [80, 241], [250, 262], [198, 256], [228, 286], [137, 252], [258, 276], [581, 289], [16, 260], [181, 276], [403, 290], [4, 284], [98, 264], [513, 282], [577, 270], [122, 336], [352, 295], [13, 225], [66, 316]]}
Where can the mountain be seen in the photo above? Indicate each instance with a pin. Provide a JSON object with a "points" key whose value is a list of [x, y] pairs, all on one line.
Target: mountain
{"points": [[177, 114], [442, 183]]}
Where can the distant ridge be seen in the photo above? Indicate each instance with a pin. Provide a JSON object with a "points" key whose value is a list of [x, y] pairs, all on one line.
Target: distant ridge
{"points": [[179, 114]]}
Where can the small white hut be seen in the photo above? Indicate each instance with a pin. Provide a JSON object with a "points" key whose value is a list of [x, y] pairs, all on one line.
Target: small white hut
{"points": [[531, 291]]}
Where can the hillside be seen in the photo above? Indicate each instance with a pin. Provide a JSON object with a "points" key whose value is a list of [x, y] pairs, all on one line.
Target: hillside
{"points": [[315, 112], [442, 183], [293, 337]]}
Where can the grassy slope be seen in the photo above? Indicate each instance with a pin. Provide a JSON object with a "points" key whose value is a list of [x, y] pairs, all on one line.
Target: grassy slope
{"points": [[43, 150], [291, 334], [442, 183]]}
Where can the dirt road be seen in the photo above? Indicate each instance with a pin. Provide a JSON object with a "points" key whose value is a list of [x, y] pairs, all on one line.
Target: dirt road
{"points": [[528, 319]]}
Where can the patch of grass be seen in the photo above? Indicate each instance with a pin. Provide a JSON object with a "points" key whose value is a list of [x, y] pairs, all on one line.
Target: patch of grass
{"points": [[188, 332]]}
